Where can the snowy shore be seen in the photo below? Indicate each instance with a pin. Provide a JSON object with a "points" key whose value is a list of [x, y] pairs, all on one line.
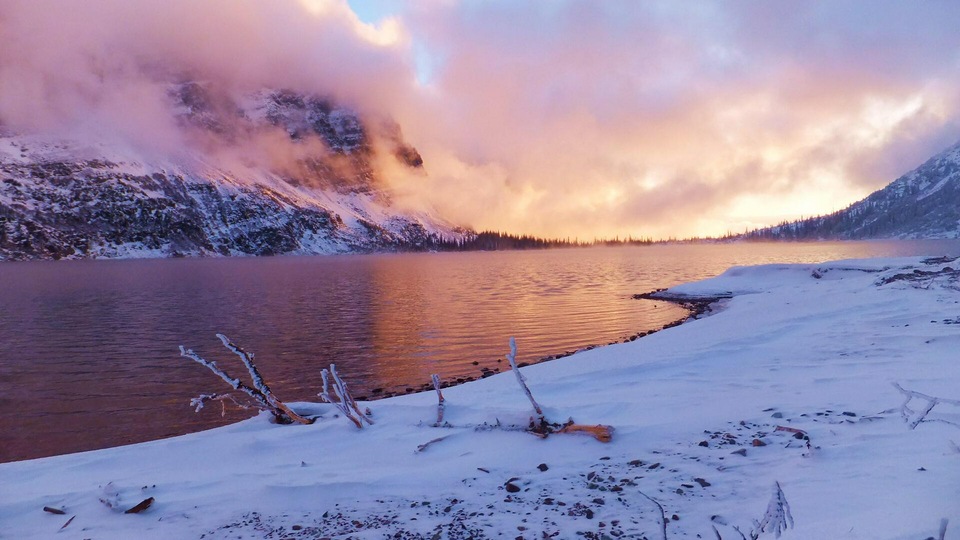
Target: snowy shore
{"points": [[790, 381]]}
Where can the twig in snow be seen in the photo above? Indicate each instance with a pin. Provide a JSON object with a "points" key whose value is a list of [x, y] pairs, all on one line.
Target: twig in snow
{"points": [[140, 507], [663, 516], [777, 518], [69, 521], [259, 392], [344, 402], [754, 535], [943, 528], [440, 406], [422, 447], [512, 358], [919, 417], [199, 402]]}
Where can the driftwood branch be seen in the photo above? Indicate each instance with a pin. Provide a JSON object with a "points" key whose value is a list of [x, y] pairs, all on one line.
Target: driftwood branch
{"points": [[539, 425], [260, 393], [512, 358], [599, 432], [914, 418], [234, 383], [258, 382], [440, 401], [424, 446], [344, 402]]}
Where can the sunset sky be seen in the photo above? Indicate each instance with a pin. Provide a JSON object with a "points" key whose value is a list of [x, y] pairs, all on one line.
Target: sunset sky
{"points": [[557, 118]]}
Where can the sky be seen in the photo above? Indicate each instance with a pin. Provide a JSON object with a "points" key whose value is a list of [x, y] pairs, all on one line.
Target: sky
{"points": [[558, 118]]}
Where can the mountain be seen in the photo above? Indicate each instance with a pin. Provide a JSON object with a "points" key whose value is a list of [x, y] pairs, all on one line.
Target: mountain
{"points": [[924, 203], [269, 173]]}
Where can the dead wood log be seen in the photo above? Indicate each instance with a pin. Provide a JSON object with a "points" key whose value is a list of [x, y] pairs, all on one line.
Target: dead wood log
{"points": [[599, 432]]}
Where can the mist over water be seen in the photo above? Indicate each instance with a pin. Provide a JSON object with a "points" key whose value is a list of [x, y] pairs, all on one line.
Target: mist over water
{"points": [[90, 347]]}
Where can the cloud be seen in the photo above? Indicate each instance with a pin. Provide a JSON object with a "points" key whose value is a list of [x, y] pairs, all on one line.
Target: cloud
{"points": [[670, 118], [103, 67], [561, 118]]}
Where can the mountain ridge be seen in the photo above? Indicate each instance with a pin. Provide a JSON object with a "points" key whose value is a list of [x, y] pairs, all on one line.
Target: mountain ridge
{"points": [[923, 203], [227, 196]]}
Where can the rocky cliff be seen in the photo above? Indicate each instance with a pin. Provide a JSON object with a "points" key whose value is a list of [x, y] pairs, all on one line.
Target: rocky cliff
{"points": [[224, 194]]}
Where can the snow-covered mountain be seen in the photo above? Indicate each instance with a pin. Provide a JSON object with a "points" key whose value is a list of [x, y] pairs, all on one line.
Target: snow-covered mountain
{"points": [[924, 203], [270, 173]]}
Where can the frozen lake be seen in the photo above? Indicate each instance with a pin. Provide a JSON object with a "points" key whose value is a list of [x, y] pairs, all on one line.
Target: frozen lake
{"points": [[90, 354]]}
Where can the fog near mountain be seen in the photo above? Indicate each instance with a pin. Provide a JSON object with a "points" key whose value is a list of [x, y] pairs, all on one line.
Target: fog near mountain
{"points": [[555, 119], [213, 128], [924, 203], [101, 70]]}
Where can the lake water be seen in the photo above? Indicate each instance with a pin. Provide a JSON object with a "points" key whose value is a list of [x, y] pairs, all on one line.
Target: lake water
{"points": [[90, 348]]}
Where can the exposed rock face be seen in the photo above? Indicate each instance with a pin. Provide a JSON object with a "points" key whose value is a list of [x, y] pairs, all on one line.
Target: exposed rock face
{"points": [[924, 203], [58, 201]]}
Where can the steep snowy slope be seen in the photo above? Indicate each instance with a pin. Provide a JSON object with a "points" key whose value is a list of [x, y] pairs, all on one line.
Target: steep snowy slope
{"points": [[229, 192], [924, 203]]}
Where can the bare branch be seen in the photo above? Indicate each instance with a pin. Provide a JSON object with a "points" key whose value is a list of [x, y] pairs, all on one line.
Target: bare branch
{"points": [[777, 518], [325, 396], [344, 402], [199, 402], [258, 382], [915, 418], [236, 384], [260, 392], [512, 358], [424, 446], [440, 402]]}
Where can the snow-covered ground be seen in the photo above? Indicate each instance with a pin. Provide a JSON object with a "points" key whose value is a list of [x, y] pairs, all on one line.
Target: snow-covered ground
{"points": [[699, 412]]}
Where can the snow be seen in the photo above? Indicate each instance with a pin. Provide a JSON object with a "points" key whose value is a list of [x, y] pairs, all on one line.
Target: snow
{"points": [[814, 348]]}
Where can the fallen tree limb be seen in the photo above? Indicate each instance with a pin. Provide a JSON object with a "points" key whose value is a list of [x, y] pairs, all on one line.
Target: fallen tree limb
{"points": [[260, 393], [914, 418], [258, 382], [599, 432]]}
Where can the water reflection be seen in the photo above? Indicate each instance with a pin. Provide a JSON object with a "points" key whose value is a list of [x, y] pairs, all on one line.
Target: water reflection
{"points": [[90, 348]]}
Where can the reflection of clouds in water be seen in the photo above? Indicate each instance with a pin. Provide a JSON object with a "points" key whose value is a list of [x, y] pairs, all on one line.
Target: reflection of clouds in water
{"points": [[90, 348]]}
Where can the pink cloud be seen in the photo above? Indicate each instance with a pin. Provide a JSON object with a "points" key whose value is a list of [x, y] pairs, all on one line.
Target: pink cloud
{"points": [[567, 118]]}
